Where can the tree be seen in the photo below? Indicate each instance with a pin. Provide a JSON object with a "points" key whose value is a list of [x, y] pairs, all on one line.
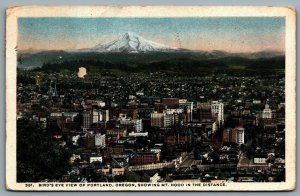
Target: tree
{"points": [[168, 151], [131, 177], [38, 156], [98, 177]]}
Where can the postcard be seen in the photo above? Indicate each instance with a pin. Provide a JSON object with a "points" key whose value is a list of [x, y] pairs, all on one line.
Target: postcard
{"points": [[150, 98]]}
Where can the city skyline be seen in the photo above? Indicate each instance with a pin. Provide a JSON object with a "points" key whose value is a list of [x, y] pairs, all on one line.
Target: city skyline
{"points": [[231, 34]]}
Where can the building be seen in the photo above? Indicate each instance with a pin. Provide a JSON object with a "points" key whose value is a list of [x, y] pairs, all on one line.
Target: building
{"points": [[75, 139], [100, 140], [188, 108], [95, 158], [217, 110], [157, 119], [178, 138], [116, 150], [227, 135], [256, 101], [90, 141], [170, 102], [87, 119], [143, 158], [94, 116], [267, 112], [171, 116], [234, 135], [100, 115], [260, 158], [169, 120], [117, 132], [209, 126], [240, 132], [117, 171], [138, 125], [70, 116], [204, 111], [155, 178]]}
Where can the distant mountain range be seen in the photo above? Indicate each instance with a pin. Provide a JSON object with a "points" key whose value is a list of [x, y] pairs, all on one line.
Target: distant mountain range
{"points": [[131, 43], [135, 50]]}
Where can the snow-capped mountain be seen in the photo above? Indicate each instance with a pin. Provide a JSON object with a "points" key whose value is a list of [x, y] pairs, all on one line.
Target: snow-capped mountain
{"points": [[132, 43]]}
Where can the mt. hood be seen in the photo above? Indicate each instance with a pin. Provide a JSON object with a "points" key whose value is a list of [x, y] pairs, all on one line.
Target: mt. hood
{"points": [[131, 43]]}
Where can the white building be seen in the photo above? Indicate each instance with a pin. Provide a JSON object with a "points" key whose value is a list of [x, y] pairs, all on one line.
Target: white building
{"points": [[56, 114], [155, 178], [100, 116], [173, 111], [267, 112], [70, 116], [100, 103], [240, 136], [256, 102], [169, 120], [75, 139], [100, 140], [171, 116], [259, 160], [138, 124], [96, 159], [165, 119], [138, 134], [217, 110], [156, 150]]}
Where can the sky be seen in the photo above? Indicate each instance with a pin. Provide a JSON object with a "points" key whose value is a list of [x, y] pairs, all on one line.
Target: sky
{"points": [[231, 34]]}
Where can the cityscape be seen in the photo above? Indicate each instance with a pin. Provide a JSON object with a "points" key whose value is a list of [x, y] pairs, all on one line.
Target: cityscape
{"points": [[144, 111]]}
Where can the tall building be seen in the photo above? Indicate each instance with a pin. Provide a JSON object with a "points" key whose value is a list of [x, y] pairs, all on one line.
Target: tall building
{"points": [[240, 132], [204, 112], [105, 115], [217, 110], [171, 116], [87, 119], [97, 116], [94, 116], [157, 119], [227, 135], [169, 120], [187, 108], [138, 124], [100, 115]]}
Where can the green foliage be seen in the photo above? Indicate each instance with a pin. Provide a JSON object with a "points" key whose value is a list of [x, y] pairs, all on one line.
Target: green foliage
{"points": [[38, 156], [131, 177], [168, 151], [98, 177], [171, 63]]}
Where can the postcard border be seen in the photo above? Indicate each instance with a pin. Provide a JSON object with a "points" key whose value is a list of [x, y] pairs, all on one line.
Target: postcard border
{"points": [[289, 13]]}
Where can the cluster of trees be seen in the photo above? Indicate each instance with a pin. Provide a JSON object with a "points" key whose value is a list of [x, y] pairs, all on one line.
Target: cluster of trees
{"points": [[39, 157], [172, 65]]}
